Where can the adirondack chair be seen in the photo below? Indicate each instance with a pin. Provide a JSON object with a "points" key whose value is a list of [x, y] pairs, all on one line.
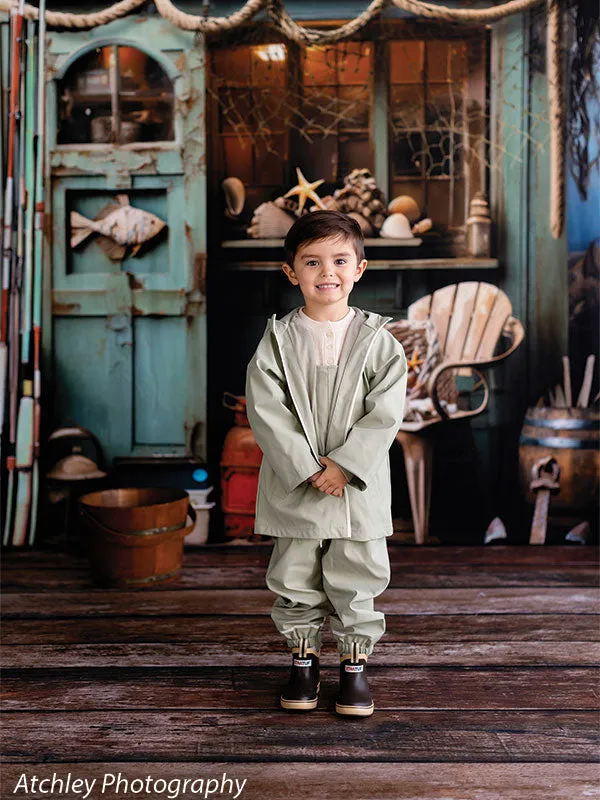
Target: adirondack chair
{"points": [[470, 318]]}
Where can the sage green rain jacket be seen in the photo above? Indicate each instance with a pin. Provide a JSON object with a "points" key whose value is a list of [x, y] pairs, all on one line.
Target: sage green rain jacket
{"points": [[368, 403]]}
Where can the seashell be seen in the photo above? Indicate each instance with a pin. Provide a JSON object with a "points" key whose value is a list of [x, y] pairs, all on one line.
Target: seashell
{"points": [[422, 227], [396, 226], [287, 204], [235, 196], [404, 204], [270, 222], [365, 225]]}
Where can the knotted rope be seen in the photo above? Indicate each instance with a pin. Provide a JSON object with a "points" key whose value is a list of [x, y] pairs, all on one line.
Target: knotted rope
{"points": [[556, 104]]}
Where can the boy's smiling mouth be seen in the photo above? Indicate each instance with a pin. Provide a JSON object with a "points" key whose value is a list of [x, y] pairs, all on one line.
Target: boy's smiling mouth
{"points": [[324, 286]]}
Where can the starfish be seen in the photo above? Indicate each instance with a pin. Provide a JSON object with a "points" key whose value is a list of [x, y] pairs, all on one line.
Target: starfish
{"points": [[305, 190], [414, 362]]}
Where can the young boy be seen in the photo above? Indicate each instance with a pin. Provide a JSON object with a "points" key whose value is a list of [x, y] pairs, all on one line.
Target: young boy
{"points": [[325, 395]]}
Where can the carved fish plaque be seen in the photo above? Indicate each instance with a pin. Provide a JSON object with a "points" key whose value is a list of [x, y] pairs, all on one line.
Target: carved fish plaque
{"points": [[120, 226]]}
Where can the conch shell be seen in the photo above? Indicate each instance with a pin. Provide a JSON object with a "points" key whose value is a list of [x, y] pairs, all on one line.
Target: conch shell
{"points": [[270, 222]]}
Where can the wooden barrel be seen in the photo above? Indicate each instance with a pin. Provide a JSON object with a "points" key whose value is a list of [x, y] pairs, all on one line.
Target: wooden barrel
{"points": [[570, 435], [136, 535]]}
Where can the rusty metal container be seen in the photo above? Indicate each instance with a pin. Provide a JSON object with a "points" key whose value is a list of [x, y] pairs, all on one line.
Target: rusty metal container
{"points": [[136, 535]]}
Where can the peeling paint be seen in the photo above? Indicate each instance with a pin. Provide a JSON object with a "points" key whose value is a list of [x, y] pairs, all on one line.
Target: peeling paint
{"points": [[65, 308]]}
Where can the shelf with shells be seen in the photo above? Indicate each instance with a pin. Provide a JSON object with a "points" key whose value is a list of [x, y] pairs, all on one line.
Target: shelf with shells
{"points": [[391, 233]]}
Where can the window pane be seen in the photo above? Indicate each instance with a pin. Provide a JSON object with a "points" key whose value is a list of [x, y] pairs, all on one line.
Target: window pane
{"points": [[355, 152], [320, 66], [458, 61], [238, 157], [146, 97], [270, 157], [235, 110], [320, 160], [354, 63], [408, 155], [320, 108], [406, 107], [271, 109], [438, 61], [406, 62], [269, 65], [231, 66], [443, 153], [354, 107], [444, 106], [84, 95]]}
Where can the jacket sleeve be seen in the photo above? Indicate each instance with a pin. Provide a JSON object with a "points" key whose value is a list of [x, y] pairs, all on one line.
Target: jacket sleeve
{"points": [[371, 437], [275, 426]]}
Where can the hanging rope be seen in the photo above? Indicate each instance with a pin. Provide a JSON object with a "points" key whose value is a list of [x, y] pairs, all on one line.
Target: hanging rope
{"points": [[193, 22], [299, 33], [62, 19], [556, 105], [491, 14]]}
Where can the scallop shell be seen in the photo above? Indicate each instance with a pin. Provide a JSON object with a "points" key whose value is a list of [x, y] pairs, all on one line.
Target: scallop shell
{"points": [[404, 204], [365, 225], [396, 226], [422, 227], [270, 222], [235, 196]]}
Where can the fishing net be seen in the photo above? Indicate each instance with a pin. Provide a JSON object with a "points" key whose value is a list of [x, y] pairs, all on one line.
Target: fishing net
{"points": [[415, 96]]}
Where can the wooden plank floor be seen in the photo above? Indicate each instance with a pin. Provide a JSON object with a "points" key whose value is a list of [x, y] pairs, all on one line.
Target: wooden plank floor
{"points": [[486, 683]]}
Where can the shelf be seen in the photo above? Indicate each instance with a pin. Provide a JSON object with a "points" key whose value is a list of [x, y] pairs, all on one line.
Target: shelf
{"points": [[406, 264], [242, 244]]}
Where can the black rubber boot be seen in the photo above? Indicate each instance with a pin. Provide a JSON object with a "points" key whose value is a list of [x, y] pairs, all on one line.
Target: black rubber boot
{"points": [[302, 690], [354, 697]]}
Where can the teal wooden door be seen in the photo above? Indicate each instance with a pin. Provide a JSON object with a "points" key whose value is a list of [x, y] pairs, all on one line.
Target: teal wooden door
{"points": [[128, 335]]}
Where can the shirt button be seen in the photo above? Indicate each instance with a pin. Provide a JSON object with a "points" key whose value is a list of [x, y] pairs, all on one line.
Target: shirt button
{"points": [[330, 361], [329, 333]]}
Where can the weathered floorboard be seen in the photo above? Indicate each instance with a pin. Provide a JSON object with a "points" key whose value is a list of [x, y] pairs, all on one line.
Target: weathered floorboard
{"points": [[396, 688], [575, 600], [321, 736]]}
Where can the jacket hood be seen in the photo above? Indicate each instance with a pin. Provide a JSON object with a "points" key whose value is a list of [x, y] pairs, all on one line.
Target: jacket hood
{"points": [[370, 318]]}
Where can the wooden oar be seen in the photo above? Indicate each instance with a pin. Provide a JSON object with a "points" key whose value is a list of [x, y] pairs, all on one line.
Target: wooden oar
{"points": [[567, 381]]}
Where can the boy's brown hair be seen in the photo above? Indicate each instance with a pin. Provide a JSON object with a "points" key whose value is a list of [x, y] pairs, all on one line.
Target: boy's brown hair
{"points": [[319, 225]]}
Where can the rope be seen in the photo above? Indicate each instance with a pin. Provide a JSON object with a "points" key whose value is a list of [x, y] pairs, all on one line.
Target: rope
{"points": [[491, 14], [192, 22], [556, 104], [298, 33], [62, 19]]}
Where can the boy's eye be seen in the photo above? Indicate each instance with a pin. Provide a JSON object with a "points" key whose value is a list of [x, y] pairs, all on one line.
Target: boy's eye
{"points": [[340, 261], [311, 263]]}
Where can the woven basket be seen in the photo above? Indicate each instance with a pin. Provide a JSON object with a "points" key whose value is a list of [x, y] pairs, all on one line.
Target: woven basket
{"points": [[421, 343]]}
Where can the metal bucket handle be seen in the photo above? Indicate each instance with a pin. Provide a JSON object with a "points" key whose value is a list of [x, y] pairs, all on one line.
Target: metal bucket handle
{"points": [[141, 537]]}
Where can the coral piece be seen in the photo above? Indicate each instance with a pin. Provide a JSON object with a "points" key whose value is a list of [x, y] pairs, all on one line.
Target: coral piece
{"points": [[422, 227]]}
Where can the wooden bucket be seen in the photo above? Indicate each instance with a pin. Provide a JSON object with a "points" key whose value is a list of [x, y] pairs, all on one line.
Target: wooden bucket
{"points": [[136, 535], [570, 435]]}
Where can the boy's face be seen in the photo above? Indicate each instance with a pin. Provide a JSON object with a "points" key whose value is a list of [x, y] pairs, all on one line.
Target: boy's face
{"points": [[326, 271]]}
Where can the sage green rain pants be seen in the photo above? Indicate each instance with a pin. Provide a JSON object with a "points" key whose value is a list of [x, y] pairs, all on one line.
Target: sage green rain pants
{"points": [[335, 578]]}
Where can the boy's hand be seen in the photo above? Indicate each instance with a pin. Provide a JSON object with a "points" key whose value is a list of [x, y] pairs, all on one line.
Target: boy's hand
{"points": [[331, 480]]}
